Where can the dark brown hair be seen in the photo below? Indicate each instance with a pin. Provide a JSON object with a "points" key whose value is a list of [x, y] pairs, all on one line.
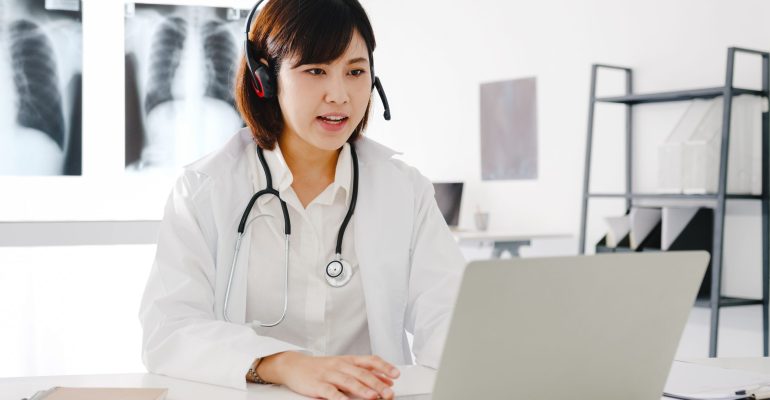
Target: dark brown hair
{"points": [[316, 31]]}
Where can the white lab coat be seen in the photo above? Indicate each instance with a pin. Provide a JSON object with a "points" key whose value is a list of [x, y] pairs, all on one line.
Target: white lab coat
{"points": [[409, 263]]}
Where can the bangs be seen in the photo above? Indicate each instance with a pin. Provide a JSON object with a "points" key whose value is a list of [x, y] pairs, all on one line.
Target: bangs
{"points": [[321, 32]]}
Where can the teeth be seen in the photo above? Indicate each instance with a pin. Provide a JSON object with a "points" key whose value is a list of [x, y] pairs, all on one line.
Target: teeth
{"points": [[334, 118]]}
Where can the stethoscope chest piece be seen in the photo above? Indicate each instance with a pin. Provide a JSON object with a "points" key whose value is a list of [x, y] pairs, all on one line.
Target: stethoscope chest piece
{"points": [[338, 272]]}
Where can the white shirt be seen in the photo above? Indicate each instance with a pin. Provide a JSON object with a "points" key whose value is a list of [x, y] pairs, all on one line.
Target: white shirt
{"points": [[320, 318]]}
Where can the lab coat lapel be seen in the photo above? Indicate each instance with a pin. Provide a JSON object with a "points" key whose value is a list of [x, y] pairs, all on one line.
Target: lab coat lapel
{"points": [[240, 195], [382, 229]]}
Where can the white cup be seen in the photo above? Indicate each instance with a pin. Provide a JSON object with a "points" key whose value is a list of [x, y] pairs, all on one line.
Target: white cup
{"points": [[482, 220]]}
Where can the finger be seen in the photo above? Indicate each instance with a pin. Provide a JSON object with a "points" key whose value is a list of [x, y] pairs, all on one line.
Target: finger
{"points": [[350, 384], [369, 379], [377, 363], [384, 379], [376, 372], [328, 391]]}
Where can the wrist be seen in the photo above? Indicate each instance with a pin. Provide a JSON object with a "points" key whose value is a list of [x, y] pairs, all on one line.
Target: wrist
{"points": [[252, 375], [271, 367]]}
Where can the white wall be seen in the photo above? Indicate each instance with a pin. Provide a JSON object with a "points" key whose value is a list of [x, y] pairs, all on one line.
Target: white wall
{"points": [[71, 310], [432, 55]]}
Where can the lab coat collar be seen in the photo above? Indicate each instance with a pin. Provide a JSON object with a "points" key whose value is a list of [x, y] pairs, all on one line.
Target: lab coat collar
{"points": [[369, 151]]}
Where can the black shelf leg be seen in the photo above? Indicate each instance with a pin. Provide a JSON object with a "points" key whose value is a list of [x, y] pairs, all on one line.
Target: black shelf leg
{"points": [[589, 144], [765, 208], [629, 141], [719, 214], [587, 171]]}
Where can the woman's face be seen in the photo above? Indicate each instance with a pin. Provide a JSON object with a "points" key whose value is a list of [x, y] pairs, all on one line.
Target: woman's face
{"points": [[323, 103]]}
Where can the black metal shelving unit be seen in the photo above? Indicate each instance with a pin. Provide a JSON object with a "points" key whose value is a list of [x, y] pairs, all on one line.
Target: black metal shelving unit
{"points": [[716, 200]]}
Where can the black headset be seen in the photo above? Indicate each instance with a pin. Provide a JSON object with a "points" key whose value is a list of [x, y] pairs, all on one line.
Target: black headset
{"points": [[264, 83]]}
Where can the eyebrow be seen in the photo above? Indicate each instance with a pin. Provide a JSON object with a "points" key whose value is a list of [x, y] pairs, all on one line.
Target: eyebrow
{"points": [[350, 62], [358, 60]]}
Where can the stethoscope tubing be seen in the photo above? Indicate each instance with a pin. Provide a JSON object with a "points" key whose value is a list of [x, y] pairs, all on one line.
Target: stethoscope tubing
{"points": [[287, 233]]}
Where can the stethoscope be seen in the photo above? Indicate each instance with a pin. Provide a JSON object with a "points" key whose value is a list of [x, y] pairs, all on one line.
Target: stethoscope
{"points": [[337, 272]]}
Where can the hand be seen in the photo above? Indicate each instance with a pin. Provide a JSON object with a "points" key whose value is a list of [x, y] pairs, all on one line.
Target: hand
{"points": [[333, 378]]}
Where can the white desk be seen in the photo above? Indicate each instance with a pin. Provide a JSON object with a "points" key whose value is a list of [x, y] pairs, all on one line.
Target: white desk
{"points": [[759, 365], [411, 377], [504, 241]]}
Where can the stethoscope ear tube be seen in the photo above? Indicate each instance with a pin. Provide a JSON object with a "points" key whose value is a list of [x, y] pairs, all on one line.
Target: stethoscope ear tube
{"points": [[268, 190], [226, 315], [353, 198]]}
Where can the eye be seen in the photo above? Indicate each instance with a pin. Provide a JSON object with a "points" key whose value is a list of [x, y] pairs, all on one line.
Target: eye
{"points": [[315, 71], [357, 72]]}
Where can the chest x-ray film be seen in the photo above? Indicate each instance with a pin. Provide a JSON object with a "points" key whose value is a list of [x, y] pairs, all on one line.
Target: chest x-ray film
{"points": [[41, 66], [180, 72], [509, 129]]}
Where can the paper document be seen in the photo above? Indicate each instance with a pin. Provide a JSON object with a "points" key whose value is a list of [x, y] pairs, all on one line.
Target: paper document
{"points": [[70, 393], [704, 381], [617, 229], [643, 221], [674, 220]]}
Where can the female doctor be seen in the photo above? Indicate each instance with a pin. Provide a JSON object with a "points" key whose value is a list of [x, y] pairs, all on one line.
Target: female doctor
{"points": [[301, 253]]}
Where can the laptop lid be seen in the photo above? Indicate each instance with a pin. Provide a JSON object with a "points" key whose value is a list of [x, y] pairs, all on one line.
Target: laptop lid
{"points": [[449, 198], [587, 327]]}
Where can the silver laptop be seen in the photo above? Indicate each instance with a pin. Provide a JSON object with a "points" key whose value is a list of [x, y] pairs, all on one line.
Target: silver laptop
{"points": [[587, 327]]}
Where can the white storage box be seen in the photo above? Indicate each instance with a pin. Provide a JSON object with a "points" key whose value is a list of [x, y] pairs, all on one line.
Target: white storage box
{"points": [[691, 165], [671, 152]]}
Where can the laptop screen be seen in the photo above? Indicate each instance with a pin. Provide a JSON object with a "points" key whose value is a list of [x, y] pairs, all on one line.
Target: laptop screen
{"points": [[448, 198]]}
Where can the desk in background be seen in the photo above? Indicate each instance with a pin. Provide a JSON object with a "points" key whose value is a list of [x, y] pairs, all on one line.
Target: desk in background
{"points": [[504, 241]]}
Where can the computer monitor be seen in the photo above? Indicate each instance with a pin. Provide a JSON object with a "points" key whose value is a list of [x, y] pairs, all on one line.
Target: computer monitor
{"points": [[448, 197]]}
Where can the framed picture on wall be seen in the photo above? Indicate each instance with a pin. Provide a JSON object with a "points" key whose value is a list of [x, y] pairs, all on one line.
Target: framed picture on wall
{"points": [[509, 129]]}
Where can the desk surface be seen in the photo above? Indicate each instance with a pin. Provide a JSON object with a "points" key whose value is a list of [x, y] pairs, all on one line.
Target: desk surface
{"points": [[760, 365], [412, 378]]}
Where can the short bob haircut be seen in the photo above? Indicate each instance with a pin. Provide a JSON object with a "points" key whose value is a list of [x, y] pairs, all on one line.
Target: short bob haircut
{"points": [[317, 31]]}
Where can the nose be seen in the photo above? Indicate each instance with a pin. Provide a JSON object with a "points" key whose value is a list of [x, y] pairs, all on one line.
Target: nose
{"points": [[336, 90]]}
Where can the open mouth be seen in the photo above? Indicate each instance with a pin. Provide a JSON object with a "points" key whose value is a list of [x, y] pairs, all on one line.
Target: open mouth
{"points": [[333, 120]]}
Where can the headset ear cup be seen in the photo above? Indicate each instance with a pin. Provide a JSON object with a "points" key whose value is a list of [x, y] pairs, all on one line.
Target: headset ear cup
{"points": [[265, 86]]}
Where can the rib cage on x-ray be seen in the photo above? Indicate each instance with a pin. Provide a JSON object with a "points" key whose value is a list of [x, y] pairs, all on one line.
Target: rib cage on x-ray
{"points": [[164, 61], [36, 81], [221, 54], [40, 82], [185, 60]]}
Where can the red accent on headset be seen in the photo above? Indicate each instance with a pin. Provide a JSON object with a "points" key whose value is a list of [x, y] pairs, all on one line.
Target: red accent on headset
{"points": [[260, 91]]}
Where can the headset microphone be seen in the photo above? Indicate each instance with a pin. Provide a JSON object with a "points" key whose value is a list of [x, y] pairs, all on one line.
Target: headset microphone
{"points": [[384, 98]]}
